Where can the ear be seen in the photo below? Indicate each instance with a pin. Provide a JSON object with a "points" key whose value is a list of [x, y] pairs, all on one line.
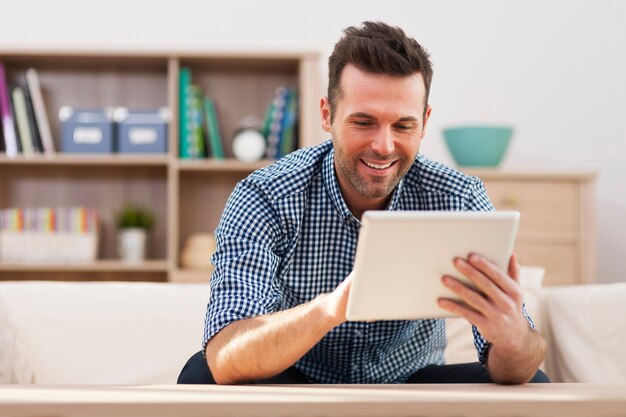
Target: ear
{"points": [[325, 114], [426, 119]]}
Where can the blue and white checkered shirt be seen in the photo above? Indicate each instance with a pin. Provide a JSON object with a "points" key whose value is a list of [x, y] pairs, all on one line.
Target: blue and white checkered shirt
{"points": [[286, 235]]}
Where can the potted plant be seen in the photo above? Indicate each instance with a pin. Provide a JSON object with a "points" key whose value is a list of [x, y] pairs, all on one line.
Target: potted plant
{"points": [[133, 223]]}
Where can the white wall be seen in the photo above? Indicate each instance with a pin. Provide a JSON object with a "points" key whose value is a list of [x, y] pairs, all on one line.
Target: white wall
{"points": [[554, 69]]}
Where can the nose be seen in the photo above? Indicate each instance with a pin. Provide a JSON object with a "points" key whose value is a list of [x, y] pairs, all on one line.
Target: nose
{"points": [[382, 143]]}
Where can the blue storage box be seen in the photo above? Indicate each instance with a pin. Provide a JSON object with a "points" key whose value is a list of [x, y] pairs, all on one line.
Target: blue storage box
{"points": [[86, 131], [141, 131]]}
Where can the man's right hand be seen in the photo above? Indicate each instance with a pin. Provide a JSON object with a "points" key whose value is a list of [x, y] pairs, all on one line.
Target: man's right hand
{"points": [[336, 302], [263, 346]]}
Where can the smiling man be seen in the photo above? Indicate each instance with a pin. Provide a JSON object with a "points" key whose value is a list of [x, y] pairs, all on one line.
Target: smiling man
{"points": [[287, 238], [377, 130]]}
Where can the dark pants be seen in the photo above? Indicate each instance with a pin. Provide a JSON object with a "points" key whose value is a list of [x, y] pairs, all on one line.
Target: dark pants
{"points": [[196, 371]]}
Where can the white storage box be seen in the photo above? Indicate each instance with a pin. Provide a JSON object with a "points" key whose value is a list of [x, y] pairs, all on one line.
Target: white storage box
{"points": [[34, 247]]}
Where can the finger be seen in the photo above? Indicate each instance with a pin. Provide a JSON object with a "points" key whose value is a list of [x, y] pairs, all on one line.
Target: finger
{"points": [[469, 295], [514, 268], [496, 275], [478, 278], [459, 309]]}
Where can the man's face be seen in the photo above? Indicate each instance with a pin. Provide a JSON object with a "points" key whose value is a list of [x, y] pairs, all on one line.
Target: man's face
{"points": [[377, 128]]}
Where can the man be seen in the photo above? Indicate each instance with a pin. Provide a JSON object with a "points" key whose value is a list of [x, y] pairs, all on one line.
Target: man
{"points": [[287, 238]]}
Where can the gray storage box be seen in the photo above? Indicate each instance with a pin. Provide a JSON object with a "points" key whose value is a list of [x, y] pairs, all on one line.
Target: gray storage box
{"points": [[86, 131], [141, 131]]}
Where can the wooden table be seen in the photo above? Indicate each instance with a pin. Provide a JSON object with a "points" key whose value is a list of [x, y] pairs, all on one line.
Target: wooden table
{"points": [[535, 400]]}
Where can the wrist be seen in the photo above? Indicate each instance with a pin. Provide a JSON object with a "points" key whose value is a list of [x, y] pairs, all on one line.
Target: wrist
{"points": [[327, 311]]}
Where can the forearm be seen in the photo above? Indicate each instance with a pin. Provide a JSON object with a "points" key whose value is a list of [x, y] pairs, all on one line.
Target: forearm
{"points": [[264, 346], [517, 367]]}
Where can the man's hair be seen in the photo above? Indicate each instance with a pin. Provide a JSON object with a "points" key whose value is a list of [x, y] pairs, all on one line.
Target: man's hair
{"points": [[377, 48]]}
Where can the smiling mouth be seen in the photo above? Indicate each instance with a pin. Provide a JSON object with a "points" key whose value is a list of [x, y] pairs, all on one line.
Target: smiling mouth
{"points": [[379, 166]]}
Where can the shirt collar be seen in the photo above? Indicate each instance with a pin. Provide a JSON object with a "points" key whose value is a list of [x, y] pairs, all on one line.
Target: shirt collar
{"points": [[329, 177]]}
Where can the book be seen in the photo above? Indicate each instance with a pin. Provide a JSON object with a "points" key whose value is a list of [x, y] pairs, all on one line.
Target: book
{"points": [[8, 127], [2, 147], [39, 108], [288, 133], [184, 84], [276, 122], [15, 129], [195, 148], [21, 118], [213, 129], [267, 121], [32, 121]]}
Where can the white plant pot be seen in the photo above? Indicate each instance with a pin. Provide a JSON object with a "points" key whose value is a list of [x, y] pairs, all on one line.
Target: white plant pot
{"points": [[132, 245]]}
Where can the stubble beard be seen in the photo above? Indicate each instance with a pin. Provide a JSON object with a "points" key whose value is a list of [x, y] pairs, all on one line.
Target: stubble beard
{"points": [[376, 187]]}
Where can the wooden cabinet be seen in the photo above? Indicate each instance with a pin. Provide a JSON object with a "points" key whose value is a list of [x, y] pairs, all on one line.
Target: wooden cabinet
{"points": [[557, 226], [187, 196]]}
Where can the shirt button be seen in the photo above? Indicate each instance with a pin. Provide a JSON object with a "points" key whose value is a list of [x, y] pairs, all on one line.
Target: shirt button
{"points": [[355, 367]]}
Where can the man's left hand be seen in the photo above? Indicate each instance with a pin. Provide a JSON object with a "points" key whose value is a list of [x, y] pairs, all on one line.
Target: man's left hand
{"points": [[494, 306]]}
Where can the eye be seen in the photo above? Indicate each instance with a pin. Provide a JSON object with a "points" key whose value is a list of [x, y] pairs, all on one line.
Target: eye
{"points": [[404, 126], [362, 123]]}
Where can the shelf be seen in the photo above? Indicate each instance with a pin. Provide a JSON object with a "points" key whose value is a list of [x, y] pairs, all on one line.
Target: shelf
{"points": [[111, 265], [486, 174], [61, 159], [186, 196], [225, 165]]}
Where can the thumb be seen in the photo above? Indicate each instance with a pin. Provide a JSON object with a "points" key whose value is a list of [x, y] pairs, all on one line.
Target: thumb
{"points": [[514, 267], [346, 283]]}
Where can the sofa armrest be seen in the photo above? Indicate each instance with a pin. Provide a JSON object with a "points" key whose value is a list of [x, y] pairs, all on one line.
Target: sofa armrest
{"points": [[586, 333]]}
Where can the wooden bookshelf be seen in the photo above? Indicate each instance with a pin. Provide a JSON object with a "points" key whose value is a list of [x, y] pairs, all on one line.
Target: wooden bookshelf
{"points": [[187, 196]]}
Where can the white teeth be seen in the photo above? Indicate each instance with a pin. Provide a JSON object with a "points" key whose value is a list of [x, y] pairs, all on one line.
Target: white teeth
{"points": [[376, 166]]}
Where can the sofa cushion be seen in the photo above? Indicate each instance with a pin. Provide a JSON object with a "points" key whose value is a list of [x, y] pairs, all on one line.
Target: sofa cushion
{"points": [[106, 333]]}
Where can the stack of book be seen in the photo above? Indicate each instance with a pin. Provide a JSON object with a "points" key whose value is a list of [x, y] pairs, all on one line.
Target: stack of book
{"points": [[280, 126], [24, 127], [199, 130], [48, 235]]}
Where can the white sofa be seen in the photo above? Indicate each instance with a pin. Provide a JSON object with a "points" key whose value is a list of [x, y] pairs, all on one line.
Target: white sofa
{"points": [[142, 333]]}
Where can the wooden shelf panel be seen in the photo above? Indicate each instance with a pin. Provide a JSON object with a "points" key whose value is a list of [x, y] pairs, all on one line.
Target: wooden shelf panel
{"points": [[105, 265], [225, 165], [29, 55], [494, 174], [62, 159]]}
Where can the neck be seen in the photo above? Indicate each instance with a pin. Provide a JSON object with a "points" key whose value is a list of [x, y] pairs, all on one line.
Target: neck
{"points": [[358, 203]]}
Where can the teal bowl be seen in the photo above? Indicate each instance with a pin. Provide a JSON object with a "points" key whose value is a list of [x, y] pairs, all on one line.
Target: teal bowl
{"points": [[478, 146]]}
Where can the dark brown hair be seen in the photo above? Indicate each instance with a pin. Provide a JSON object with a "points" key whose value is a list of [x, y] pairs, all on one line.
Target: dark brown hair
{"points": [[380, 49]]}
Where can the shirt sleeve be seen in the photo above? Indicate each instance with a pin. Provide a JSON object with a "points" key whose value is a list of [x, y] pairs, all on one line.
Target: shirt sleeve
{"points": [[477, 199], [245, 260]]}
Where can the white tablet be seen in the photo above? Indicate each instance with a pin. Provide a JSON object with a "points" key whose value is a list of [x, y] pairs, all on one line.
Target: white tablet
{"points": [[402, 255]]}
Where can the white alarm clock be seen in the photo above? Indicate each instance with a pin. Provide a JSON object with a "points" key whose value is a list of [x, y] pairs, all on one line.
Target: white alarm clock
{"points": [[249, 145]]}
